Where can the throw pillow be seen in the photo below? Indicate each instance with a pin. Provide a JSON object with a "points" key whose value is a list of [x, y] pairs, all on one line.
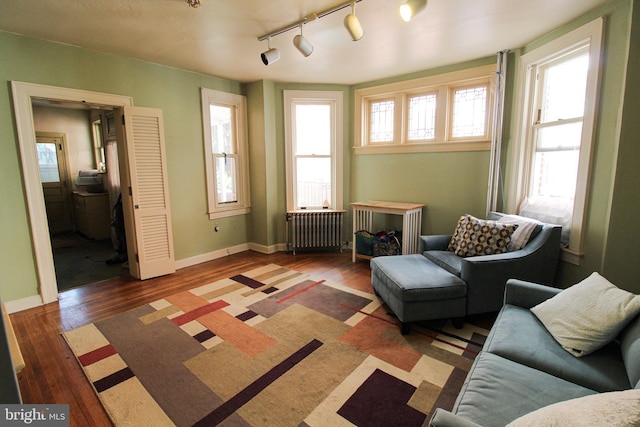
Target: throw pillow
{"points": [[587, 315], [457, 234], [618, 408], [521, 236], [483, 237]]}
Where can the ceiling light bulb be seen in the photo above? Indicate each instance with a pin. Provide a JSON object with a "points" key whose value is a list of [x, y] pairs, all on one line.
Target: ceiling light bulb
{"points": [[352, 24], [302, 44], [410, 8]]}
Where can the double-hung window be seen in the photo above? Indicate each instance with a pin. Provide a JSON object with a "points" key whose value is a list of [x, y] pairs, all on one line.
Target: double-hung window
{"points": [[445, 112], [226, 153], [557, 104], [313, 136]]}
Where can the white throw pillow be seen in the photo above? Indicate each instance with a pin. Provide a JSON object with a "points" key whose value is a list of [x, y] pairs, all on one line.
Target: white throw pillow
{"points": [[587, 315], [520, 237], [618, 408]]}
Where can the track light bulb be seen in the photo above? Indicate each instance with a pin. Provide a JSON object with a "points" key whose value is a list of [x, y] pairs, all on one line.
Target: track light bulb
{"points": [[270, 56], [302, 44], [410, 8], [352, 24]]}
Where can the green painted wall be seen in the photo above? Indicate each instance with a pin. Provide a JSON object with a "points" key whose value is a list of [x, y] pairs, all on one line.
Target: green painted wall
{"points": [[267, 215], [620, 264], [175, 91]]}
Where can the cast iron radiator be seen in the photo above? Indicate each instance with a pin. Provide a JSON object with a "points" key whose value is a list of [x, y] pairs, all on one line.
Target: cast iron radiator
{"points": [[314, 229]]}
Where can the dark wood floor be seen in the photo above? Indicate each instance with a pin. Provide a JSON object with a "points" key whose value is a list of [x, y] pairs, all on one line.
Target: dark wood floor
{"points": [[52, 375]]}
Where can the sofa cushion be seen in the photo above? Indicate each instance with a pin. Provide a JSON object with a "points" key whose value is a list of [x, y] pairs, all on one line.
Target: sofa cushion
{"points": [[588, 315], [519, 336], [498, 390], [475, 237], [620, 408], [445, 259], [630, 348], [413, 278]]}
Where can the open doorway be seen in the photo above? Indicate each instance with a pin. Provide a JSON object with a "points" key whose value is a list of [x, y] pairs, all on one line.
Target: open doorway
{"points": [[81, 186]]}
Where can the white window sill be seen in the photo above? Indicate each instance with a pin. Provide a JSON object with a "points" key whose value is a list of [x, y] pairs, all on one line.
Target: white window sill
{"points": [[227, 213], [426, 147]]}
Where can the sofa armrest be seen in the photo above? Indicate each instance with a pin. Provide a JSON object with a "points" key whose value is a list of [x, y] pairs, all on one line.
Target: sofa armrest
{"points": [[436, 242], [444, 418], [527, 294]]}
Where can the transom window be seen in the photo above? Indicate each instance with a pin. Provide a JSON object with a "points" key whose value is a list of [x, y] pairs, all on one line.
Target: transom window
{"points": [[447, 112], [469, 112], [422, 117]]}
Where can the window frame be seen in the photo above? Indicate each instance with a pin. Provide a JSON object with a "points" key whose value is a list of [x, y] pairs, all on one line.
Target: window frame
{"points": [[238, 104], [439, 84], [335, 99], [523, 152]]}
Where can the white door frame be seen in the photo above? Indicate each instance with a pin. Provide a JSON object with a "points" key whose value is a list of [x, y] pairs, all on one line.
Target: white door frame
{"points": [[23, 94]]}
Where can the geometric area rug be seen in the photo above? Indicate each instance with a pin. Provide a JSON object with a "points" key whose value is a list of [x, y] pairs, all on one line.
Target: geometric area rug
{"points": [[272, 347]]}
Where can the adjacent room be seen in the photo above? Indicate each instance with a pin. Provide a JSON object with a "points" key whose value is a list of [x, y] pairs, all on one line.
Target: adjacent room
{"points": [[320, 213]]}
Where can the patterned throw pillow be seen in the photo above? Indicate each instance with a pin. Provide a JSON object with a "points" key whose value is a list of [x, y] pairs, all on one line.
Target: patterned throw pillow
{"points": [[457, 235], [482, 237]]}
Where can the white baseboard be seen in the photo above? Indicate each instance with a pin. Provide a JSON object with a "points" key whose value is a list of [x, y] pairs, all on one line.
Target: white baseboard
{"points": [[280, 247], [23, 304], [209, 256]]}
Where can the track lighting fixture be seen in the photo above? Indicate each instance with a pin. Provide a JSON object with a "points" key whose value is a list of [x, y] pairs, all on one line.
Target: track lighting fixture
{"points": [[352, 24], [302, 44], [410, 8], [271, 55]]}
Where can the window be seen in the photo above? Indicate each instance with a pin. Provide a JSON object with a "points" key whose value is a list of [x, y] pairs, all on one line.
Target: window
{"points": [[558, 89], [422, 117], [446, 112], [226, 151], [469, 118], [313, 136]]}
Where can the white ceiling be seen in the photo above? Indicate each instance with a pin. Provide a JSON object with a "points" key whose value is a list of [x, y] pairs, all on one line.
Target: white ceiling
{"points": [[220, 37]]}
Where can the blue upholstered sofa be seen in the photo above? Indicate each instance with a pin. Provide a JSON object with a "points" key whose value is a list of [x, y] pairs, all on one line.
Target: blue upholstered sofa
{"points": [[522, 368]]}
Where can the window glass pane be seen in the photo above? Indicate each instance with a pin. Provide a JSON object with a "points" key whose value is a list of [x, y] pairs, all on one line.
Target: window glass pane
{"points": [[560, 137], [555, 174], [563, 94], [422, 117], [313, 129], [381, 122], [48, 162], [469, 112], [313, 185], [226, 179], [221, 129]]}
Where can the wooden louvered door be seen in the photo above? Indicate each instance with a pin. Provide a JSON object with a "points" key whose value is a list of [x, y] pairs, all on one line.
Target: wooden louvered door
{"points": [[145, 195]]}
